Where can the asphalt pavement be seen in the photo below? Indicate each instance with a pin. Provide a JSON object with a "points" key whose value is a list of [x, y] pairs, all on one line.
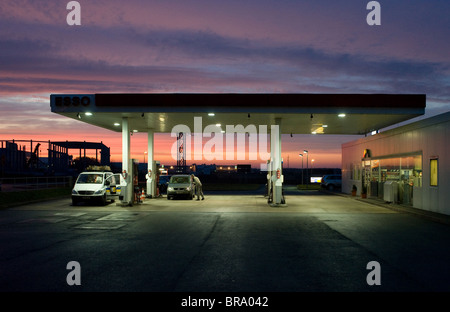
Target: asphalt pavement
{"points": [[316, 243]]}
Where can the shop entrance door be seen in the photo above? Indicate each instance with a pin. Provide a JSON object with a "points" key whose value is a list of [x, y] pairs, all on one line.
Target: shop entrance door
{"points": [[366, 175]]}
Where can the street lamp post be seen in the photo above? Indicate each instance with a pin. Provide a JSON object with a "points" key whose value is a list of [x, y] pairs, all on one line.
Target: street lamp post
{"points": [[306, 152], [144, 156], [301, 155], [312, 165]]}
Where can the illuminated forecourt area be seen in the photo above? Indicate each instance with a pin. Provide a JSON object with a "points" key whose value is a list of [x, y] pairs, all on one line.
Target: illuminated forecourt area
{"points": [[292, 113]]}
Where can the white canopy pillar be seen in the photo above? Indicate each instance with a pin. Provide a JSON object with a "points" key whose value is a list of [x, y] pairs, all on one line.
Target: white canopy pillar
{"points": [[151, 178], [127, 172], [275, 156]]}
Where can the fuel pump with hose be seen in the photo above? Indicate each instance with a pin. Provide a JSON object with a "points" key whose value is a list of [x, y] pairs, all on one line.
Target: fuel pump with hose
{"points": [[152, 179], [275, 179], [149, 183], [124, 196], [129, 180], [136, 189], [269, 190]]}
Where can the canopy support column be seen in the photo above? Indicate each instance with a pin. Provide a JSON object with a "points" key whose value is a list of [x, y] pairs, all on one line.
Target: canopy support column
{"points": [[151, 173], [126, 194]]}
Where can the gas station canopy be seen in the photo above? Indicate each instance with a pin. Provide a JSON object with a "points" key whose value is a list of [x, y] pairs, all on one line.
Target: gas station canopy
{"points": [[292, 113], [300, 113]]}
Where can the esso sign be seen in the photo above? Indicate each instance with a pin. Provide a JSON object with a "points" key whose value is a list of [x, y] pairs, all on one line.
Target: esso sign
{"points": [[72, 100]]}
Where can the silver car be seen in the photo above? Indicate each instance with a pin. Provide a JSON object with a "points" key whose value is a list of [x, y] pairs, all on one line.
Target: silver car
{"points": [[180, 185]]}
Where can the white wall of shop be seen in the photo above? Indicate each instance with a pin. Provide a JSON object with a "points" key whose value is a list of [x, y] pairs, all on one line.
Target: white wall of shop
{"points": [[430, 137]]}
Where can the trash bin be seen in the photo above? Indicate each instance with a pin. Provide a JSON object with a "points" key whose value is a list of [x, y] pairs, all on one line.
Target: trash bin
{"points": [[390, 191]]}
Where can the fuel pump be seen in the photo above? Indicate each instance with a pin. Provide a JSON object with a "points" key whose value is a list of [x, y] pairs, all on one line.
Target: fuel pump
{"points": [[149, 183], [152, 179], [128, 181], [124, 195], [135, 179], [279, 184], [269, 190], [275, 179], [157, 174]]}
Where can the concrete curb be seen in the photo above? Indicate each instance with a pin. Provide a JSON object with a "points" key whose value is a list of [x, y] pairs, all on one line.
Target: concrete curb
{"points": [[433, 216]]}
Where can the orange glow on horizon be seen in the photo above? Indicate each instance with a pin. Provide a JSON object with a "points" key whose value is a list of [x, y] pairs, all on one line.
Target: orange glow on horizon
{"points": [[163, 145]]}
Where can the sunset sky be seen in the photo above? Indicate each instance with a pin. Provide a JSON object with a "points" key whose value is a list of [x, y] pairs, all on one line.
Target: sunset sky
{"points": [[292, 46]]}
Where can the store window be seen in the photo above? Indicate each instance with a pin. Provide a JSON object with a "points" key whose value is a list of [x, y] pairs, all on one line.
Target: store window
{"points": [[404, 170], [401, 169], [390, 169], [434, 172], [375, 167], [411, 170]]}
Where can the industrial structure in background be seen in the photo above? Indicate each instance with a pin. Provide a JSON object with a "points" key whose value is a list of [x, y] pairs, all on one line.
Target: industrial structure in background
{"points": [[48, 158], [181, 153]]}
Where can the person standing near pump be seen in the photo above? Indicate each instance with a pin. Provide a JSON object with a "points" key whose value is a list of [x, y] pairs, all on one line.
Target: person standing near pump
{"points": [[198, 187]]}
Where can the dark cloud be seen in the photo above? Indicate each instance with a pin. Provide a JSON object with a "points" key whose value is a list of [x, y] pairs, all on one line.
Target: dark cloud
{"points": [[126, 59], [226, 46]]}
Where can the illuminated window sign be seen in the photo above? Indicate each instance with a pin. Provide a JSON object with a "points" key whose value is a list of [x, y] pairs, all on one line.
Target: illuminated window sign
{"points": [[316, 179], [434, 172]]}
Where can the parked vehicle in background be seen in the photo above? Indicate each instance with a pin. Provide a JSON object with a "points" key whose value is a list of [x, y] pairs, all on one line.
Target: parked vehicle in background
{"points": [[96, 186], [180, 185], [331, 182]]}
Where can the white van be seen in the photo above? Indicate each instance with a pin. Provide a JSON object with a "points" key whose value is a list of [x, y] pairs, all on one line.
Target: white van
{"points": [[98, 186]]}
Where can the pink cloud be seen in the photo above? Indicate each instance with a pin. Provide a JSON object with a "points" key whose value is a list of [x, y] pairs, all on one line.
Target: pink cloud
{"points": [[213, 46]]}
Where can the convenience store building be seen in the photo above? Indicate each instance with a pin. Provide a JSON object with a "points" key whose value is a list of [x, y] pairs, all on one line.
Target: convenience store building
{"points": [[409, 165]]}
